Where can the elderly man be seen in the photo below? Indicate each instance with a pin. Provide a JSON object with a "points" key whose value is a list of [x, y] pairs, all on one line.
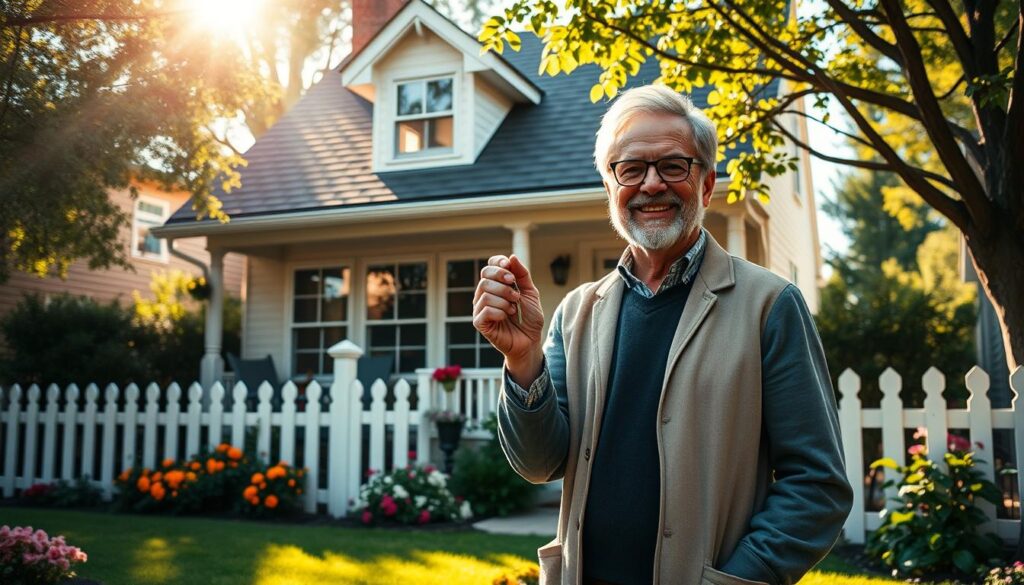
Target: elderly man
{"points": [[683, 398]]}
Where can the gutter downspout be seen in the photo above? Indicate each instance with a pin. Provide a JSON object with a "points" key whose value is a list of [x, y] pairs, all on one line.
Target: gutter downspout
{"points": [[191, 259]]}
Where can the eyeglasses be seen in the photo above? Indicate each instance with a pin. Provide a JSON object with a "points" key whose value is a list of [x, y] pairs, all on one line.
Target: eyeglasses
{"points": [[630, 173]]}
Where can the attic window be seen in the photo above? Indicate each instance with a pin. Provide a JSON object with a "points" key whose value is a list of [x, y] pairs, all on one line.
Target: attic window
{"points": [[425, 117]]}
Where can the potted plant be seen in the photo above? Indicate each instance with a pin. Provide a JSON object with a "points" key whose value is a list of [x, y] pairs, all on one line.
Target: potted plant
{"points": [[447, 376], [449, 432]]}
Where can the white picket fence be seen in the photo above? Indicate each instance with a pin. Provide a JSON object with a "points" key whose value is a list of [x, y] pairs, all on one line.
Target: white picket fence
{"points": [[893, 419], [112, 431]]}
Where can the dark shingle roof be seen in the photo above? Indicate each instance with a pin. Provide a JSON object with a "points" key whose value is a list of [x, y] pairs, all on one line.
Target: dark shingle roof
{"points": [[318, 155]]}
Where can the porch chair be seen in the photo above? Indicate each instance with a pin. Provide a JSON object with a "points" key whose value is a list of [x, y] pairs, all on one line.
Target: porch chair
{"points": [[253, 373], [368, 369]]}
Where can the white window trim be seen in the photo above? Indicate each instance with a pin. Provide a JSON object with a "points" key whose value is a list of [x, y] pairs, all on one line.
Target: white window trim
{"points": [[164, 256], [431, 293], [289, 307], [425, 153], [443, 259]]}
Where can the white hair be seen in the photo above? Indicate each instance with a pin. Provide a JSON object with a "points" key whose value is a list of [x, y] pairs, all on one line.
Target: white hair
{"points": [[654, 99]]}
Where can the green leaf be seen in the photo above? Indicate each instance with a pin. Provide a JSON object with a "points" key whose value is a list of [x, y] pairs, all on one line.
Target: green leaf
{"points": [[964, 561]]}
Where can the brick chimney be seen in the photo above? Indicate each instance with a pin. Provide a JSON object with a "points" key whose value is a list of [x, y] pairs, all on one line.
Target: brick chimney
{"points": [[368, 17]]}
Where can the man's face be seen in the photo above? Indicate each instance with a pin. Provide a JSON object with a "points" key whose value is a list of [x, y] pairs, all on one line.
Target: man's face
{"points": [[653, 137]]}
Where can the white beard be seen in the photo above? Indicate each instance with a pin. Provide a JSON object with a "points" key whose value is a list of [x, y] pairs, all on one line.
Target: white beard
{"points": [[660, 233]]}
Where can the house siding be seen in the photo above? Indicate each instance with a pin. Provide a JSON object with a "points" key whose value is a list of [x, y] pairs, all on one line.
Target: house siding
{"points": [[491, 107], [265, 309], [116, 283]]}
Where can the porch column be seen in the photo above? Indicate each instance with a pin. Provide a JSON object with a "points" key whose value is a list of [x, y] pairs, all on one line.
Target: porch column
{"points": [[737, 243], [212, 366], [521, 241]]}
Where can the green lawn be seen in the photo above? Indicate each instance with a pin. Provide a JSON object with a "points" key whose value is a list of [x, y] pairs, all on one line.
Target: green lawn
{"points": [[128, 549]]}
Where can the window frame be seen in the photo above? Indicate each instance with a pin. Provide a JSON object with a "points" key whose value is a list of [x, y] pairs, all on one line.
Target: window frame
{"points": [[444, 317], [289, 307], [365, 323], [164, 255], [426, 151]]}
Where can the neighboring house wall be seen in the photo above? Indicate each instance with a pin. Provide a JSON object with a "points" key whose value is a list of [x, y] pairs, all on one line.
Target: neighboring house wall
{"points": [[117, 283]]}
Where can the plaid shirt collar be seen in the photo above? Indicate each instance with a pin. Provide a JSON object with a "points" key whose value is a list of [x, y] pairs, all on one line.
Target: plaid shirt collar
{"points": [[682, 270]]}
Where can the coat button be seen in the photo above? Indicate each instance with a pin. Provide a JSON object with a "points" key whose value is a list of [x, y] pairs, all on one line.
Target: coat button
{"points": [[586, 454], [668, 533], [665, 419]]}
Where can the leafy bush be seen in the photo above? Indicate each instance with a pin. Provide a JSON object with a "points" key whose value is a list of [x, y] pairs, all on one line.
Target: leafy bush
{"points": [[528, 576], [412, 495], [30, 557], [225, 480], [64, 494], [935, 527], [485, 477], [1012, 575]]}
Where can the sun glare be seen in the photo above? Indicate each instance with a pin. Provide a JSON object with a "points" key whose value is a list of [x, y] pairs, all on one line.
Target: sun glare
{"points": [[230, 17]]}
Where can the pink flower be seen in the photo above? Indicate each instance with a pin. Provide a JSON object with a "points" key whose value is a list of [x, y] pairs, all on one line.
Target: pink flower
{"points": [[412, 455], [424, 517], [429, 468], [979, 445], [367, 517], [921, 433], [412, 475], [957, 443], [917, 450]]}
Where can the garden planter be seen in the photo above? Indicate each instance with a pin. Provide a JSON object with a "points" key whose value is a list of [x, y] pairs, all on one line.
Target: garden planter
{"points": [[448, 434]]}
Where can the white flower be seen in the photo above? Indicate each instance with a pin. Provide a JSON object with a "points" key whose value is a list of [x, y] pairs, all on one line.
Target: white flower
{"points": [[400, 492], [387, 479], [466, 512], [419, 501]]}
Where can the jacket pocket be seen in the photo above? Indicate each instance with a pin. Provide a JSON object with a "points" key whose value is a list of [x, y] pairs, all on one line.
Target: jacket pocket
{"points": [[550, 556], [712, 576]]}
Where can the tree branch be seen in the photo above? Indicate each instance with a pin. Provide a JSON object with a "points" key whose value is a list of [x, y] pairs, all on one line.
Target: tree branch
{"points": [[961, 43], [224, 141], [861, 28], [28, 21], [13, 65]]}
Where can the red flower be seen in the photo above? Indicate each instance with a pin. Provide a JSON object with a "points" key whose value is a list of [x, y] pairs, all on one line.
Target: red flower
{"points": [[367, 517], [429, 468], [412, 456], [424, 517]]}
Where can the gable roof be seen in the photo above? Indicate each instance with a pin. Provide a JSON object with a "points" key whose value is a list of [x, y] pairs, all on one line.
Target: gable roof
{"points": [[319, 154]]}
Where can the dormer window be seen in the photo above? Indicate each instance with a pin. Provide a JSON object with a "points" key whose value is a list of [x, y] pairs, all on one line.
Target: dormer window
{"points": [[425, 120]]}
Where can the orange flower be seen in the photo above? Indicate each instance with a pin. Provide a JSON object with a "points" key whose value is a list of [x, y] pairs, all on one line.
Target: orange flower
{"points": [[250, 492], [157, 491], [263, 485], [235, 453], [300, 472], [190, 476], [255, 501], [174, 478], [234, 464], [257, 478], [282, 463], [220, 466], [156, 476], [195, 466], [125, 474], [174, 494], [211, 466], [276, 472], [298, 492], [223, 447], [271, 501], [291, 483], [143, 484], [168, 462]]}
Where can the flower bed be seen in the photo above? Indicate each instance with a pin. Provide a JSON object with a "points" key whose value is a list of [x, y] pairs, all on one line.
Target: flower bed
{"points": [[413, 495], [31, 557]]}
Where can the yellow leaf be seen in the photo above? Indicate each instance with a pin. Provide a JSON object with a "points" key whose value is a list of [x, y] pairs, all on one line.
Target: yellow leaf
{"points": [[513, 40], [611, 90], [901, 517], [595, 93], [714, 98], [976, 487], [887, 462]]}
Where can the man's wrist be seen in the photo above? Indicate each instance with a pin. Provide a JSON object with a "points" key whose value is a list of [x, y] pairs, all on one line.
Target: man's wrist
{"points": [[525, 370]]}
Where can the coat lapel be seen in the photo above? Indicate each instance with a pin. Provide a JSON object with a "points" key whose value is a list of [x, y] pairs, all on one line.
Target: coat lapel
{"points": [[606, 321]]}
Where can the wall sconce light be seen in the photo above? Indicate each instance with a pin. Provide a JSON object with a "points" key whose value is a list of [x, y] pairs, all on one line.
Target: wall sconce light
{"points": [[560, 270]]}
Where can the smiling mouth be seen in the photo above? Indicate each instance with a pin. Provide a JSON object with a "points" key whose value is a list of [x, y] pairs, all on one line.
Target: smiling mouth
{"points": [[655, 209]]}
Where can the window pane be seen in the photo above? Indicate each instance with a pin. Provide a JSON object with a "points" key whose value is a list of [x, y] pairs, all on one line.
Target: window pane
{"points": [[333, 310], [414, 335], [307, 363], [380, 292], [305, 311], [151, 208], [490, 357], [465, 357], [440, 132], [333, 335], [460, 304], [147, 242], [439, 95], [412, 305], [412, 276], [307, 282], [410, 98], [307, 338], [335, 283], [461, 333], [462, 273], [410, 135], [410, 359], [383, 336]]}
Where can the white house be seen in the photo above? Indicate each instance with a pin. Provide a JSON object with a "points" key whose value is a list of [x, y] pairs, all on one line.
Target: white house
{"points": [[368, 210]]}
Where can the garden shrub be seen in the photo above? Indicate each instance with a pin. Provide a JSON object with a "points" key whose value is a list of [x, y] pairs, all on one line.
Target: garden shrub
{"points": [[64, 494], [30, 557], [414, 494], [221, 481], [485, 478], [1012, 575], [527, 576], [936, 526]]}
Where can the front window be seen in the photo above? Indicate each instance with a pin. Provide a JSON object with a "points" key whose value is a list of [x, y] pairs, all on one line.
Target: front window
{"points": [[149, 214], [425, 121], [319, 317], [396, 313], [464, 345]]}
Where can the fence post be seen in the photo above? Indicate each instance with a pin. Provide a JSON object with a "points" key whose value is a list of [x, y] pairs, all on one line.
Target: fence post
{"points": [[216, 431], [935, 415], [28, 473], [195, 416], [50, 433], [1017, 387], [69, 455], [238, 394], [173, 419], [149, 431], [400, 448], [345, 354], [311, 457], [979, 413], [288, 394], [354, 473], [92, 394], [850, 426], [892, 426], [424, 402], [265, 392], [131, 411], [109, 436], [10, 459]]}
